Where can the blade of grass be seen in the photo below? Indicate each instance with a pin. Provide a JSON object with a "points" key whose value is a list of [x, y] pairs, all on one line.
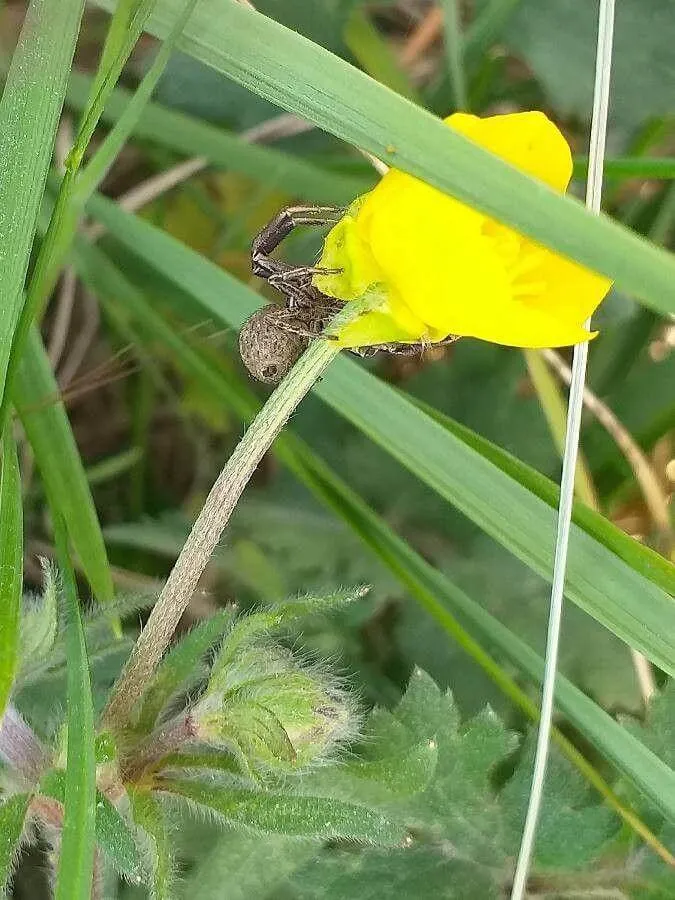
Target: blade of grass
{"points": [[649, 563], [29, 113], [454, 52], [652, 167], [601, 583], [65, 212], [105, 155], [51, 438], [76, 859], [302, 77], [432, 590], [193, 137], [11, 566]]}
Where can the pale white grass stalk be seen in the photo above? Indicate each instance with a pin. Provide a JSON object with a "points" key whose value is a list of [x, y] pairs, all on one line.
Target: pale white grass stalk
{"points": [[603, 63]]}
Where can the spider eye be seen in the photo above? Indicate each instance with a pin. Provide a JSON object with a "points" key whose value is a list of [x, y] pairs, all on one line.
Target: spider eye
{"points": [[270, 371]]}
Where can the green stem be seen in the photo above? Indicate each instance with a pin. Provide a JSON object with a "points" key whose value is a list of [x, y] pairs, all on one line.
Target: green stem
{"points": [[454, 53], [215, 515]]}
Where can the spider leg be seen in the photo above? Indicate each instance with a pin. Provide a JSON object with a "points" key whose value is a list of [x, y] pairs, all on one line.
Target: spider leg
{"points": [[279, 228]]}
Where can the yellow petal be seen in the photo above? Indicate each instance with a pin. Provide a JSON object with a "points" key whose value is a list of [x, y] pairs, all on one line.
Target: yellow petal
{"points": [[572, 292], [528, 140]]}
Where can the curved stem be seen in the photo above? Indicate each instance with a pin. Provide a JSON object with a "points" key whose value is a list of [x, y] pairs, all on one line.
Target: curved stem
{"points": [[213, 518]]}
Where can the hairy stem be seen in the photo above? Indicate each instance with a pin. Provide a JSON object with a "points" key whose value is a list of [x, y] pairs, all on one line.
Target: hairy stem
{"points": [[213, 518], [20, 747]]}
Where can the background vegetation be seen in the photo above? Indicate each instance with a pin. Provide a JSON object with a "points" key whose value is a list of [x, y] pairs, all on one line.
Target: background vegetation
{"points": [[431, 480]]}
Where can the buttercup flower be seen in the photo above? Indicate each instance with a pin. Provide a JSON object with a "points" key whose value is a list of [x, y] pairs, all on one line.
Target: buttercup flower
{"points": [[436, 267]]}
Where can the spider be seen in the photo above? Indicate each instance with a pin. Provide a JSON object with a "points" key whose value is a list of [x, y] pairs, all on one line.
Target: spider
{"points": [[274, 337]]}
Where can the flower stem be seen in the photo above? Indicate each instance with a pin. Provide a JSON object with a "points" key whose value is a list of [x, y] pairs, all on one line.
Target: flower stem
{"points": [[215, 515]]}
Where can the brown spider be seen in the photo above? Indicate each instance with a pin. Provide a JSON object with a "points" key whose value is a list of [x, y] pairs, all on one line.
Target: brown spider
{"points": [[274, 337]]}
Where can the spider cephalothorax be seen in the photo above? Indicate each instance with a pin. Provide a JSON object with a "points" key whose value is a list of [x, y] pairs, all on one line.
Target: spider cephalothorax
{"points": [[274, 337]]}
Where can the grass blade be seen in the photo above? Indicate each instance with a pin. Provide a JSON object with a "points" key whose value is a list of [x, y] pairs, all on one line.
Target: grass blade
{"points": [[11, 566], [76, 860], [58, 459], [111, 146], [300, 76], [12, 816], [194, 137], [29, 113]]}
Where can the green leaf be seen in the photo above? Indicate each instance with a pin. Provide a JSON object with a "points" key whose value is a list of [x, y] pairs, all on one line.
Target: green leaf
{"points": [[12, 816], [597, 580], [314, 817], [148, 814], [58, 459], [194, 137], [113, 835], [643, 559], [39, 621], [29, 115], [76, 859], [111, 146], [242, 866], [181, 665], [285, 68], [600, 582], [11, 565], [116, 839]]}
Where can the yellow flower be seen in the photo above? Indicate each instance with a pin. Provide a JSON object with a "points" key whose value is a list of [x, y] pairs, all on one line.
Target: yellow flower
{"points": [[439, 267]]}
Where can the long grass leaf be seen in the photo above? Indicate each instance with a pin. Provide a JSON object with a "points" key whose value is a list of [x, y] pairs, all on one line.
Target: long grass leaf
{"points": [[29, 113], [58, 459], [11, 565], [76, 859], [194, 137], [300, 76]]}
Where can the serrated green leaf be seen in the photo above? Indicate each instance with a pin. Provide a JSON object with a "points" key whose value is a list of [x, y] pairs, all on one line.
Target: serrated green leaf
{"points": [[58, 459], [287, 69], [76, 858], [11, 565], [312, 817], [149, 815], [180, 666], [12, 816], [572, 829], [29, 115]]}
